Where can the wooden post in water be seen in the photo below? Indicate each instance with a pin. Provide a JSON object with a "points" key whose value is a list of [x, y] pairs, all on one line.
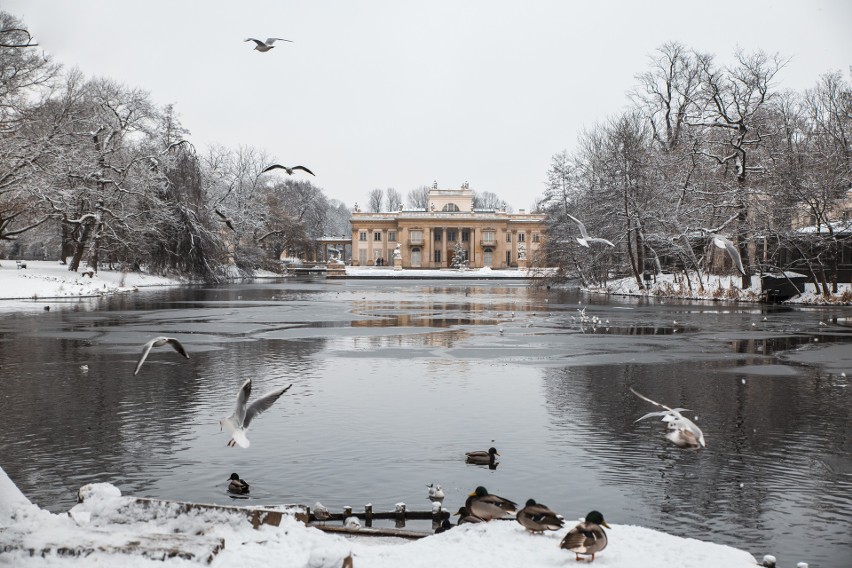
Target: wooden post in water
{"points": [[400, 516], [368, 514]]}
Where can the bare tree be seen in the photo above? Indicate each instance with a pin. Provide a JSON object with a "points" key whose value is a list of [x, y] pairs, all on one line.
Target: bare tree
{"points": [[418, 198], [28, 130], [732, 110], [667, 92], [393, 198], [375, 199], [488, 200]]}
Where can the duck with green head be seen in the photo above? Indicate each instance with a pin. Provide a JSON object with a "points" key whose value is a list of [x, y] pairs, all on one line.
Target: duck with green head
{"points": [[482, 457], [538, 518], [237, 486], [482, 504], [587, 537]]}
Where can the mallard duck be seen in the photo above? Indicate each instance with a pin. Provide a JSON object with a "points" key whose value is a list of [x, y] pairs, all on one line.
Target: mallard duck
{"points": [[237, 486], [681, 430], [238, 422], [159, 342], [482, 458], [536, 517], [465, 517], [587, 537], [482, 504], [444, 526]]}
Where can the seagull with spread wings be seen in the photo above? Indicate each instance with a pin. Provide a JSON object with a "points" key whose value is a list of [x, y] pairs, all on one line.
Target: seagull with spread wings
{"points": [[159, 342], [586, 239], [287, 169], [225, 219], [681, 430], [238, 422], [726, 245], [264, 46]]}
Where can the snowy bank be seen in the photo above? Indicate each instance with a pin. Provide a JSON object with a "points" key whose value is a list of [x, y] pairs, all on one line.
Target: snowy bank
{"points": [[714, 287], [43, 279], [108, 529]]}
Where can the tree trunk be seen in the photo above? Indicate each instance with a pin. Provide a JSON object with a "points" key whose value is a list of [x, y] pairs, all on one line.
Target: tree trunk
{"points": [[742, 243], [66, 247], [80, 247]]}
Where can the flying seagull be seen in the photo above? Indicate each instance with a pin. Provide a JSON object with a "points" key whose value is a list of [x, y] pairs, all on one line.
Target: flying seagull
{"points": [[238, 422], [225, 219], [287, 169], [726, 244], [682, 431], [586, 239], [264, 46], [159, 342]]}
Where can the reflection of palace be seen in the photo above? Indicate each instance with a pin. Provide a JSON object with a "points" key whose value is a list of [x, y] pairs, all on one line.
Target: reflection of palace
{"points": [[429, 238]]}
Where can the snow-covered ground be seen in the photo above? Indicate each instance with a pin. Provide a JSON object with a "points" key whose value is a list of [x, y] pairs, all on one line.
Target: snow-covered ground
{"points": [[107, 521], [43, 279], [715, 288]]}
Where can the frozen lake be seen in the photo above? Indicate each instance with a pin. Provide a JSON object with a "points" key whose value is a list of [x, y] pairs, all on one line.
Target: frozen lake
{"points": [[394, 381]]}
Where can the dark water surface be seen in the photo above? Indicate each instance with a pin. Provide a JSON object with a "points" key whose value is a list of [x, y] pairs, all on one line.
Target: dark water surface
{"points": [[394, 381]]}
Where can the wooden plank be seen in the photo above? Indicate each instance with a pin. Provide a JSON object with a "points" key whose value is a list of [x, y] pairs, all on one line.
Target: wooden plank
{"points": [[398, 533], [384, 516]]}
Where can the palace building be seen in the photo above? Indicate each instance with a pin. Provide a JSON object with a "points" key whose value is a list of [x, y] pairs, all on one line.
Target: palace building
{"points": [[430, 237]]}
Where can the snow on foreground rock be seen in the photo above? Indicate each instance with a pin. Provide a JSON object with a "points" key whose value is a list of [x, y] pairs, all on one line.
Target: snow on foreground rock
{"points": [[106, 519], [45, 279]]}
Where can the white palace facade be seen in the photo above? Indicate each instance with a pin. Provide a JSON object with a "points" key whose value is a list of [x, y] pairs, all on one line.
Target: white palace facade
{"points": [[429, 237]]}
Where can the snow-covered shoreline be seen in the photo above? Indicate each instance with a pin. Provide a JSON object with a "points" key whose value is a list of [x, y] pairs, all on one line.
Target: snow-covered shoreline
{"points": [[42, 280], [715, 288], [108, 529], [48, 280]]}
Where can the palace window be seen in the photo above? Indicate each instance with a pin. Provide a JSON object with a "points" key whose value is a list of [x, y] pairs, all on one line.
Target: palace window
{"points": [[450, 207], [416, 236], [508, 237], [489, 236], [437, 256], [377, 236], [521, 237], [465, 235], [362, 236], [438, 233], [392, 236], [536, 237], [451, 235]]}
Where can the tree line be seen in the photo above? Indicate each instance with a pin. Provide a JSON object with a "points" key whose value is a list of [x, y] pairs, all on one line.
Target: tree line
{"points": [[94, 172], [704, 148]]}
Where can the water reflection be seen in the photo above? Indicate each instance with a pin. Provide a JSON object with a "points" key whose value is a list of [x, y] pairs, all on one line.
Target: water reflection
{"points": [[393, 382]]}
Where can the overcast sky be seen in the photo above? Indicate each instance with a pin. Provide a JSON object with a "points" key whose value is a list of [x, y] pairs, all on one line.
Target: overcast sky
{"points": [[378, 94]]}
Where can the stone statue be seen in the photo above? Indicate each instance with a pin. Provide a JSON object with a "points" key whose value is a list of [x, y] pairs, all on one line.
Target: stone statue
{"points": [[522, 252], [397, 252]]}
